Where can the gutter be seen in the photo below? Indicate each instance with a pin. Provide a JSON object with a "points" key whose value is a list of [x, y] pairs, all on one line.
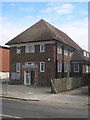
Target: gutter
{"points": [[42, 41]]}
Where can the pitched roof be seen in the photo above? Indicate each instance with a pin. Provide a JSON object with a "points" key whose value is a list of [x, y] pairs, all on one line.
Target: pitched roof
{"points": [[42, 30], [77, 56]]}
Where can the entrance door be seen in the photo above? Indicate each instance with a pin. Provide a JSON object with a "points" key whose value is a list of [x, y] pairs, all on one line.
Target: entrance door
{"points": [[32, 77], [27, 78]]}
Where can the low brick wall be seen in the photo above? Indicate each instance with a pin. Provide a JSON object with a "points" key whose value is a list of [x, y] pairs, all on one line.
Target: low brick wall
{"points": [[64, 84]]}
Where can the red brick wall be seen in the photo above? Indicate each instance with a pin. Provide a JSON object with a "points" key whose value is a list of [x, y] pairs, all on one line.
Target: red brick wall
{"points": [[4, 59], [37, 57]]}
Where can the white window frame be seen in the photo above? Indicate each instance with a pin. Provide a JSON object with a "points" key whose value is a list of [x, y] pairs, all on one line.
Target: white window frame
{"points": [[86, 68], [27, 63], [18, 51], [43, 67], [84, 53], [66, 70], [88, 55], [18, 65], [41, 48], [59, 49], [74, 68], [59, 67], [27, 50], [65, 52]]}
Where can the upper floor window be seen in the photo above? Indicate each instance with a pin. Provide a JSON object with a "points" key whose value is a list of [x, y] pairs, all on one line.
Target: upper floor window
{"points": [[59, 49], [86, 68], [30, 49], [76, 67], [42, 67], [65, 52], [29, 63], [59, 67], [71, 53], [65, 67], [18, 50], [42, 48], [84, 53], [88, 55], [17, 67]]}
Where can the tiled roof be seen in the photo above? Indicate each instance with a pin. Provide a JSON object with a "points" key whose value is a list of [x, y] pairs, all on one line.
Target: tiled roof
{"points": [[77, 56], [42, 30]]}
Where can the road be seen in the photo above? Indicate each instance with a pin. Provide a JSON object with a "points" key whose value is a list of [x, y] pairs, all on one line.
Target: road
{"points": [[25, 109]]}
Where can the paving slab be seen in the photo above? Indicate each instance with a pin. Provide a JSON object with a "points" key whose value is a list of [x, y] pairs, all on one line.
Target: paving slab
{"points": [[36, 93]]}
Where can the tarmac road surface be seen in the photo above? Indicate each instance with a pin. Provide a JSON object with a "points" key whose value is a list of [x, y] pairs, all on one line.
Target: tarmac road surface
{"points": [[24, 109]]}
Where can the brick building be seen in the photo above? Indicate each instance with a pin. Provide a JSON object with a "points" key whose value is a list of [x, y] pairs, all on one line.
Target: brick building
{"points": [[42, 53], [4, 62]]}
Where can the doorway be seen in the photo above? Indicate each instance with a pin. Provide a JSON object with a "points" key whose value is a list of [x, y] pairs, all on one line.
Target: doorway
{"points": [[29, 77]]}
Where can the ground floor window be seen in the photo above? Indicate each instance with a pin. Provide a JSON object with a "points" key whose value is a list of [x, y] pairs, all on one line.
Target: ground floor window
{"points": [[76, 67], [42, 67], [59, 67], [15, 75], [86, 68], [65, 67]]}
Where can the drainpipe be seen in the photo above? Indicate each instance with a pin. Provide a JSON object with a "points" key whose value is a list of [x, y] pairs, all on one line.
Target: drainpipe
{"points": [[56, 75], [62, 61]]}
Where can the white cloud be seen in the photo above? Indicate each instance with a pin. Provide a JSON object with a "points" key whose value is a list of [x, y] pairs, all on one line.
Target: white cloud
{"points": [[12, 4], [67, 6], [59, 8]]}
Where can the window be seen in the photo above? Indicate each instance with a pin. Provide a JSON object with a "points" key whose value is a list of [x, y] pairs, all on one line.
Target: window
{"points": [[13, 75], [42, 67], [84, 53], [42, 48], [30, 49], [65, 52], [71, 53], [17, 67], [17, 76], [29, 63], [76, 68], [86, 68], [18, 50], [59, 67], [59, 49], [65, 67], [88, 55]]}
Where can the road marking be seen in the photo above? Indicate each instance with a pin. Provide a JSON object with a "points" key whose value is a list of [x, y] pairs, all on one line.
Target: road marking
{"points": [[9, 116]]}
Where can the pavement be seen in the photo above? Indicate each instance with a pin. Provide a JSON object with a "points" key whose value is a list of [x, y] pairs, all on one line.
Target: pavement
{"points": [[77, 97]]}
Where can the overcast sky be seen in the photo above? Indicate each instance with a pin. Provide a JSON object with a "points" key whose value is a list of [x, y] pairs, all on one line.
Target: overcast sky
{"points": [[70, 17]]}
